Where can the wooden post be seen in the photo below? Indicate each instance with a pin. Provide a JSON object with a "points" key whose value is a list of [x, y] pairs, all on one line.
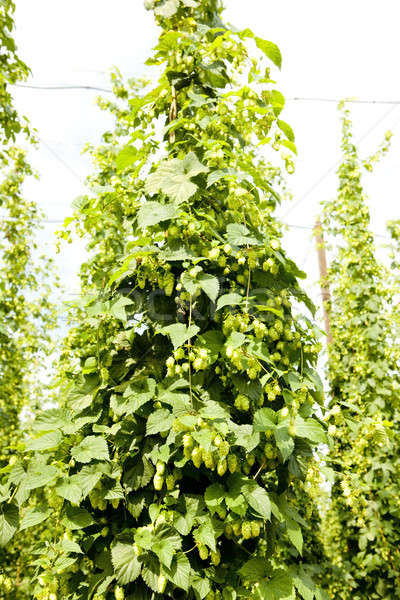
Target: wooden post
{"points": [[323, 272]]}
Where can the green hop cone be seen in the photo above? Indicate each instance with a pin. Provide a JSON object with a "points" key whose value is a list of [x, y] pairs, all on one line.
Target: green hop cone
{"points": [[160, 468], [170, 482], [196, 456], [162, 584], [247, 532], [221, 467], [215, 558], [119, 593], [232, 463], [158, 481], [224, 448], [115, 503], [203, 552], [255, 529]]}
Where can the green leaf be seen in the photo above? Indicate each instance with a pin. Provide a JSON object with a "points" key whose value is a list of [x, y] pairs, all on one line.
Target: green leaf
{"points": [[166, 8], [213, 341], [284, 442], [214, 495], [77, 518], [41, 475], [152, 213], [9, 519], [54, 418], [270, 50], [139, 475], [70, 546], [117, 307], [93, 447], [290, 146], [265, 419], [179, 333], [295, 535], [258, 499], [310, 429], [34, 516], [126, 565], [87, 478], [228, 300], [205, 535], [209, 284], [165, 552], [160, 420], [126, 157], [245, 436], [179, 572], [236, 339], [69, 490], [279, 586], [278, 102], [303, 582], [173, 178], [239, 235], [255, 569], [201, 586], [287, 130], [46, 441]]}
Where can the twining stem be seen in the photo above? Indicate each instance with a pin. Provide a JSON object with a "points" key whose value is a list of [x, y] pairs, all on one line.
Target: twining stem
{"points": [[172, 113]]}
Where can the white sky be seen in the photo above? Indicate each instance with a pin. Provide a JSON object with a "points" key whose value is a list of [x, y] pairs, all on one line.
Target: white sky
{"points": [[330, 50]]}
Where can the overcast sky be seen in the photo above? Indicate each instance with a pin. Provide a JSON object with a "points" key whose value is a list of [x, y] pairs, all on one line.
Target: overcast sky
{"points": [[331, 50]]}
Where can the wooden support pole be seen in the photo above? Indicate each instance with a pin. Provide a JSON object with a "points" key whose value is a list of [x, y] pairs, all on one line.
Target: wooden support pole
{"points": [[323, 272]]}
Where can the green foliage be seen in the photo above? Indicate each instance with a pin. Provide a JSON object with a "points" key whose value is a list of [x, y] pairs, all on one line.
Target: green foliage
{"points": [[186, 430], [362, 522], [12, 69]]}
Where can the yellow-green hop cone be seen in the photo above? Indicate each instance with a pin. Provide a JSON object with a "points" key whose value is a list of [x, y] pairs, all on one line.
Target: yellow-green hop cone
{"points": [[170, 482], [255, 529], [221, 467], [158, 482], [215, 558], [115, 502], [119, 593], [224, 448], [232, 463], [197, 457], [162, 584], [203, 552], [247, 530]]}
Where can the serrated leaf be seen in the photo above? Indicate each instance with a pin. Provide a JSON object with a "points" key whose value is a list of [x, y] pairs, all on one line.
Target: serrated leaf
{"points": [[126, 565], [239, 235], [295, 535], [201, 586], [70, 546], [179, 333], [213, 341], [290, 146], [214, 495], [54, 418], [152, 213], [279, 586], [77, 518], [287, 130], [173, 178], [46, 441], [139, 475], [209, 284], [93, 447], [34, 516], [69, 490], [245, 436], [205, 535], [41, 475], [310, 429], [166, 8], [264, 419], [160, 420], [258, 499], [228, 300], [179, 572], [165, 552], [9, 519], [87, 478], [117, 307], [284, 442], [255, 569], [303, 582], [126, 157], [270, 50]]}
